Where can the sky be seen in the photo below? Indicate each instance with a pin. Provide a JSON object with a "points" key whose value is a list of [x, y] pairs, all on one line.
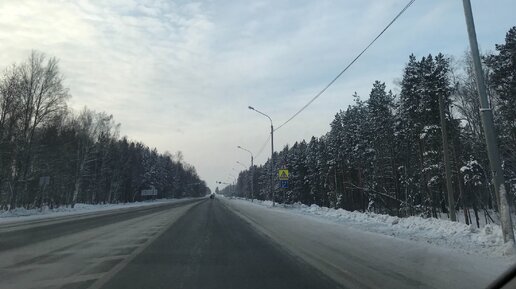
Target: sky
{"points": [[179, 75]]}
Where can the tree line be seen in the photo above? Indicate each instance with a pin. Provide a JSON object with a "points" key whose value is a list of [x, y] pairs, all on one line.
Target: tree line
{"points": [[52, 156], [385, 154]]}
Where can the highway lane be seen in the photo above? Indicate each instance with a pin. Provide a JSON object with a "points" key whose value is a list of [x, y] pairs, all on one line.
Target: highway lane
{"points": [[361, 259], [223, 243], [76, 252], [19, 235], [212, 247]]}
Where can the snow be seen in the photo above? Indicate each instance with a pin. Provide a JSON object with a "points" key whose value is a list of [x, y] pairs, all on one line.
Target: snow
{"points": [[21, 214], [427, 129], [468, 239], [362, 250], [469, 165]]}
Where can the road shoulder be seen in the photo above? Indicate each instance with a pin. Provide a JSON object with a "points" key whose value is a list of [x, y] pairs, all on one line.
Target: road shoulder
{"points": [[356, 258]]}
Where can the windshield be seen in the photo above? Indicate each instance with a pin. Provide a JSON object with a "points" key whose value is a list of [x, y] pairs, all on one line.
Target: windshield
{"points": [[257, 144]]}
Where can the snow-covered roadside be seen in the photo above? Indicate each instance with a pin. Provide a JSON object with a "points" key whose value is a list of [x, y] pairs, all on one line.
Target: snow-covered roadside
{"points": [[22, 215], [467, 239], [360, 259]]}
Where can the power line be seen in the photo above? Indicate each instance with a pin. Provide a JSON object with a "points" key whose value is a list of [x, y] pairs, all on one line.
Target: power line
{"points": [[348, 66], [263, 147]]}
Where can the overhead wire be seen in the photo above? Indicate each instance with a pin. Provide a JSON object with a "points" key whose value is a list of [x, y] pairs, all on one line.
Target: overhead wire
{"points": [[347, 67], [262, 147]]}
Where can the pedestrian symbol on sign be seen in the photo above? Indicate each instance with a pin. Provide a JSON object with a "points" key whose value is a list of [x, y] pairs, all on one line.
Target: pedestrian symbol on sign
{"points": [[283, 175]]}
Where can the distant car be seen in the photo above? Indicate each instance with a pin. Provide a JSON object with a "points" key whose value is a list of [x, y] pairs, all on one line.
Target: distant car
{"points": [[212, 196]]}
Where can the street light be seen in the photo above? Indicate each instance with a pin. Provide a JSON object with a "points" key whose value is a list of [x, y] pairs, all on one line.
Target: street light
{"points": [[272, 151], [252, 170], [223, 183], [486, 116], [234, 181], [244, 166]]}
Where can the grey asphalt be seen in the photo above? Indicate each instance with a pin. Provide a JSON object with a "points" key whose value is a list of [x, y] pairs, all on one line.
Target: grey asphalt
{"points": [[11, 237], [212, 247]]}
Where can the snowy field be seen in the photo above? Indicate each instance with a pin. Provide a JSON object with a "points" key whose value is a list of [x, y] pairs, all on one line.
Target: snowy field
{"points": [[21, 214], [458, 236]]}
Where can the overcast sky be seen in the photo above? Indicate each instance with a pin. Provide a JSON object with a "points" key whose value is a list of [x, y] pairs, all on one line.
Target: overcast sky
{"points": [[179, 75]]}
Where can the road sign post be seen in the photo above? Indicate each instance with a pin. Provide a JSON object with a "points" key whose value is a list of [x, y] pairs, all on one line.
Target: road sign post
{"points": [[283, 177], [149, 192]]}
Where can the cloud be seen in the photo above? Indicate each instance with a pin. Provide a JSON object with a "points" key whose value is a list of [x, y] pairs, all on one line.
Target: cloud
{"points": [[179, 75]]}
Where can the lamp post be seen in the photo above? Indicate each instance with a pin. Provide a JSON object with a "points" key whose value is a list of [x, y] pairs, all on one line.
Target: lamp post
{"points": [[234, 181], [272, 151], [252, 170]]}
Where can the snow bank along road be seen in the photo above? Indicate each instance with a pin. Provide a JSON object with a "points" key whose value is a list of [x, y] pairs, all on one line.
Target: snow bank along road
{"points": [[223, 244], [359, 259]]}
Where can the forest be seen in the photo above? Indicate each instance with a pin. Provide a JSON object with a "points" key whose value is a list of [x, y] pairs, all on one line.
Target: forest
{"points": [[385, 154], [52, 156]]}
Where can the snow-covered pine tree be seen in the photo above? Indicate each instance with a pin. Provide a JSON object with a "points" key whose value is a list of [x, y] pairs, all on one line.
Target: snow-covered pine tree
{"points": [[408, 127], [383, 166], [503, 84]]}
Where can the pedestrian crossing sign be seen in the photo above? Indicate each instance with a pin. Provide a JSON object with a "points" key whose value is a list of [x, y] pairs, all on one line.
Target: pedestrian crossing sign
{"points": [[283, 174]]}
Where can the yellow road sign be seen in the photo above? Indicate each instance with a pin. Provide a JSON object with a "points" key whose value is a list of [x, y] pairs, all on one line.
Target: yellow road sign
{"points": [[283, 175]]}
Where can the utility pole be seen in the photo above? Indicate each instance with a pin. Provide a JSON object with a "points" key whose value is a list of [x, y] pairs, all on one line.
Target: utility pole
{"points": [[272, 151], [446, 154], [272, 163], [486, 115], [234, 182], [252, 179], [252, 171]]}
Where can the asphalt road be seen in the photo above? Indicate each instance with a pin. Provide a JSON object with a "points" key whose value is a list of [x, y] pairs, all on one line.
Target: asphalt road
{"points": [[222, 243], [212, 247], [15, 235], [80, 250]]}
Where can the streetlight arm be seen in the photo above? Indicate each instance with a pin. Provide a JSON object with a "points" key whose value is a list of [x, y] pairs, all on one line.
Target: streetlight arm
{"points": [[246, 150], [252, 108]]}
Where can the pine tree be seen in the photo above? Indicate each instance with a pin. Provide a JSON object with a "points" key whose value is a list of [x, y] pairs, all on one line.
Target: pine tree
{"points": [[503, 84], [381, 120]]}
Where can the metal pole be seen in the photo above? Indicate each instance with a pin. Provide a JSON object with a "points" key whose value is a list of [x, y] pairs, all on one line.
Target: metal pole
{"points": [[234, 184], [251, 170], [272, 152], [486, 115], [252, 179], [272, 163]]}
